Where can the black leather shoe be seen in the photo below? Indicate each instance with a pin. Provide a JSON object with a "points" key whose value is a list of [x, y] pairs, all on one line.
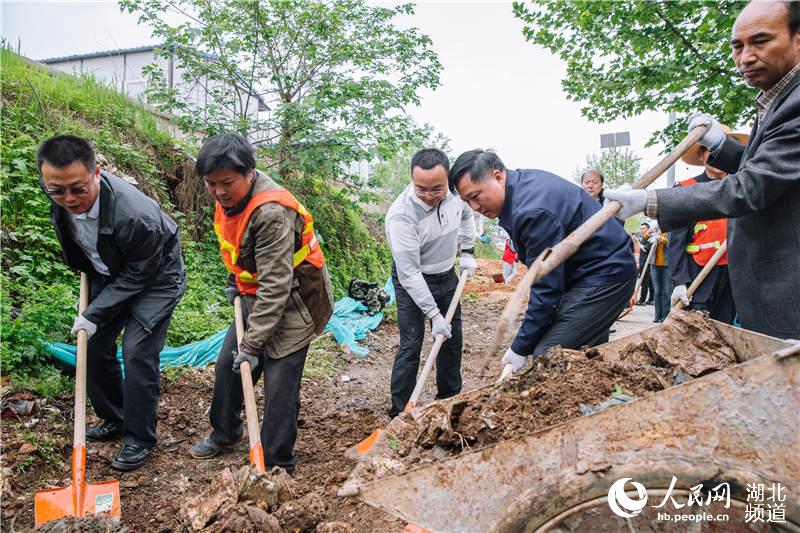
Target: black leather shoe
{"points": [[105, 430], [205, 449], [131, 457]]}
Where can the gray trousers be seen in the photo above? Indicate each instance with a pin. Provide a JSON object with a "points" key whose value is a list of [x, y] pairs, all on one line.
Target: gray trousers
{"points": [[281, 401], [584, 315]]}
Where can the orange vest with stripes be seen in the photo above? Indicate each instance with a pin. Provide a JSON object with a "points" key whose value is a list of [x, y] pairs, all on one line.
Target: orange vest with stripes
{"points": [[707, 236], [230, 230]]}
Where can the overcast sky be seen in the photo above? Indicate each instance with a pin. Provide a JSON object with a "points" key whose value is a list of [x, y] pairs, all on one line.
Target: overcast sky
{"points": [[497, 90]]}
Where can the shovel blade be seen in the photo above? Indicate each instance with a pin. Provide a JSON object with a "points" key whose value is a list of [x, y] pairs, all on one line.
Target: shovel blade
{"points": [[98, 498], [363, 447]]}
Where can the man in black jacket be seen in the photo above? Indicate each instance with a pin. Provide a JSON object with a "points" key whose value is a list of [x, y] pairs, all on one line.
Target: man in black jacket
{"points": [[131, 252]]}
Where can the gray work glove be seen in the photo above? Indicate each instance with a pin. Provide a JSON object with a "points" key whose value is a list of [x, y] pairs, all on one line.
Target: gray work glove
{"points": [[467, 263], [633, 200], [514, 359], [680, 293], [82, 322], [240, 356], [439, 326], [714, 135], [231, 292]]}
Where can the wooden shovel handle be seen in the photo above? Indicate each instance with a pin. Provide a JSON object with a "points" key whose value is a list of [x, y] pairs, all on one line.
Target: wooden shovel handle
{"points": [[437, 345], [79, 430], [701, 276], [250, 409], [551, 258]]}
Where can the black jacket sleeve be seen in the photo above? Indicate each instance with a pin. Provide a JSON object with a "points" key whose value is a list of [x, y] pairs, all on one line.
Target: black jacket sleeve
{"points": [[141, 242], [538, 230]]}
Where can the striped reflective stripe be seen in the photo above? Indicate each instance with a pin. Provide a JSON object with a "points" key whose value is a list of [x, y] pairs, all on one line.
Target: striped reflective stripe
{"points": [[700, 227], [694, 248]]}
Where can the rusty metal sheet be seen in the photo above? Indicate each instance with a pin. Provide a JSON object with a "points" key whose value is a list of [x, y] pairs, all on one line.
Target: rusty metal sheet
{"points": [[738, 425]]}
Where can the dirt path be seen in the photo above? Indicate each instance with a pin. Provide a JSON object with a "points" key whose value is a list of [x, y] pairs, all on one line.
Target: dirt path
{"points": [[336, 413]]}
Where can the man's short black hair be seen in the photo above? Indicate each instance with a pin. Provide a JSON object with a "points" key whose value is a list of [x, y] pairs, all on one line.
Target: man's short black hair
{"points": [[477, 162], [225, 151], [595, 171], [645, 224], [793, 8], [429, 158], [64, 150]]}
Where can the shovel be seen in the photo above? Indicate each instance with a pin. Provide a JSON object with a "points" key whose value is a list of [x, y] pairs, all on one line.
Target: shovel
{"points": [[366, 445], [551, 258], [639, 281], [250, 410], [80, 498], [701, 276]]}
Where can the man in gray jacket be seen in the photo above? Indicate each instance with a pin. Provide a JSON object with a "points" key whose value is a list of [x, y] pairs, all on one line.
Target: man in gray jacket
{"points": [[131, 252], [761, 195]]}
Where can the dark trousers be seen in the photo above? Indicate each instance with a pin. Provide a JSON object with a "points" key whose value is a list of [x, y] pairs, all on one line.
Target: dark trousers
{"points": [[281, 401], [132, 401], [718, 301], [646, 289], [412, 330], [584, 315], [662, 289]]}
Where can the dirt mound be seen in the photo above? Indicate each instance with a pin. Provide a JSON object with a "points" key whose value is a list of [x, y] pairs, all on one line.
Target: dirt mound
{"points": [[248, 501], [89, 524], [552, 391]]}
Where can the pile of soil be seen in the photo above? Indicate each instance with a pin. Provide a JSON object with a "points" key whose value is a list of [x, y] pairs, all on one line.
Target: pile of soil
{"points": [[245, 500], [550, 392], [89, 524]]}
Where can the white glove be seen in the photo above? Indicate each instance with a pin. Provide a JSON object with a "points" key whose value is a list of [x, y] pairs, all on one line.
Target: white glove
{"points": [[509, 272], [514, 359], [467, 263], [82, 323], [439, 326], [653, 238], [632, 200], [679, 293], [714, 135]]}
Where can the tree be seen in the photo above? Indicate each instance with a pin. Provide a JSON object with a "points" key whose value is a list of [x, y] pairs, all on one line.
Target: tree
{"points": [[618, 166], [392, 175], [626, 57], [336, 75]]}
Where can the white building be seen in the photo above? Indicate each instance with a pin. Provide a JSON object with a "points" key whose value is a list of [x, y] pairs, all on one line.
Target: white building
{"points": [[122, 70]]}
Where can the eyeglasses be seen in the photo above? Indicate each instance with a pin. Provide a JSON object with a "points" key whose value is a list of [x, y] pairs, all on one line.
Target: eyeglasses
{"points": [[428, 194], [74, 191]]}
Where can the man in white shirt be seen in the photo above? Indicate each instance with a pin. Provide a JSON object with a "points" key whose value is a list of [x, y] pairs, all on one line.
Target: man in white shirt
{"points": [[425, 226]]}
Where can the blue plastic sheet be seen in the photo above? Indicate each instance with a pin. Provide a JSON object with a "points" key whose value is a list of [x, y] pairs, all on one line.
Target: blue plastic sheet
{"points": [[349, 324]]}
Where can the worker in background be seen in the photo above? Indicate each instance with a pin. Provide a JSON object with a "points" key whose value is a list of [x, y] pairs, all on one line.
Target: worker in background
{"points": [[509, 262], [577, 302], [592, 182], [659, 274], [130, 251], [761, 193], [425, 226], [691, 248], [268, 244], [643, 238]]}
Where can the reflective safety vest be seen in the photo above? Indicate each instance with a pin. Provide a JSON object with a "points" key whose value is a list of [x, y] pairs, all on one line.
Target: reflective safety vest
{"points": [[230, 230], [707, 236]]}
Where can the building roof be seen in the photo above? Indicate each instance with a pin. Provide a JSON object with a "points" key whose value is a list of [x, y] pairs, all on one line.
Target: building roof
{"points": [[124, 51]]}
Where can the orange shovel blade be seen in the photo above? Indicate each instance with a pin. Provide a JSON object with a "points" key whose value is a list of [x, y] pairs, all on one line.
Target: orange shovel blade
{"points": [[98, 498], [366, 445], [257, 458]]}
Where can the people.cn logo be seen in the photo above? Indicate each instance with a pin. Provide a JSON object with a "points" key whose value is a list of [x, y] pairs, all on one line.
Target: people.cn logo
{"points": [[621, 504]]}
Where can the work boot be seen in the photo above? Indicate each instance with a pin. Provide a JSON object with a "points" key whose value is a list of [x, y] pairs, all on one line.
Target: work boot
{"points": [[205, 449], [104, 431], [131, 457]]}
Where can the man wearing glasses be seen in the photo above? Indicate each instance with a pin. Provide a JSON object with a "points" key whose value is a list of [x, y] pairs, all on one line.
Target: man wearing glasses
{"points": [[425, 227], [131, 252]]}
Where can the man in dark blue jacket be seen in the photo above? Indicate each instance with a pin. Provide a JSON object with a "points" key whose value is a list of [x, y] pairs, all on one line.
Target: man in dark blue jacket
{"points": [[576, 303]]}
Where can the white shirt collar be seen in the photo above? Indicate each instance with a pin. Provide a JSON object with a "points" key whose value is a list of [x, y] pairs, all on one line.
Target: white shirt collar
{"points": [[93, 211]]}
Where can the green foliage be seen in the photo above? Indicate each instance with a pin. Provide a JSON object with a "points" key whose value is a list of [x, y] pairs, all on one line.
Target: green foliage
{"points": [[486, 250], [627, 57], [351, 239], [336, 75], [391, 176], [618, 166], [323, 358]]}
